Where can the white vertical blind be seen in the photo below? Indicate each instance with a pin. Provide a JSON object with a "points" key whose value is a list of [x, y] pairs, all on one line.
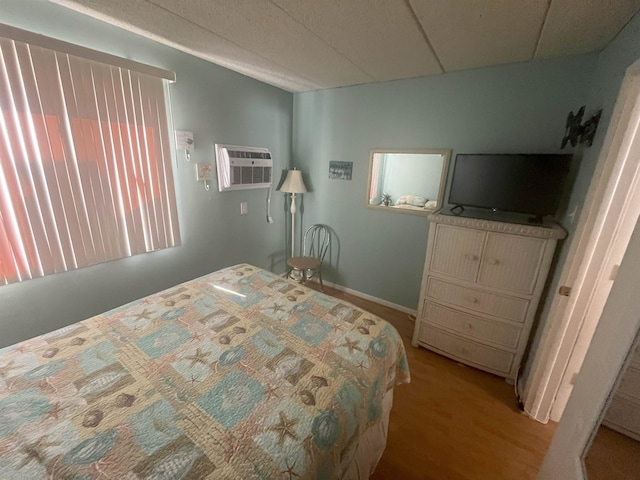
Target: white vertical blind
{"points": [[85, 169]]}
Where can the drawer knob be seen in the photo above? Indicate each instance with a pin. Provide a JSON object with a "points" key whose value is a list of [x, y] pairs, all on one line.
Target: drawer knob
{"points": [[475, 300], [468, 326], [493, 261], [471, 256]]}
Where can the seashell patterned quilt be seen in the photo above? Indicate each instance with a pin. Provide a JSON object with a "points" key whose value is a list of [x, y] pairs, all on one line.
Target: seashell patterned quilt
{"points": [[237, 374]]}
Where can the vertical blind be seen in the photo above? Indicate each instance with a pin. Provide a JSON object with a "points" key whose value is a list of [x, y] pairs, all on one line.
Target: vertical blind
{"points": [[85, 167]]}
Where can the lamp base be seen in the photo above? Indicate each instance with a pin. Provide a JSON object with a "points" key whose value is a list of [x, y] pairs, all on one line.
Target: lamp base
{"points": [[293, 224]]}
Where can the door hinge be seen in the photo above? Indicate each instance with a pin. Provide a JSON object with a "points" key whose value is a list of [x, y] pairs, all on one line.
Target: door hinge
{"points": [[564, 291], [614, 272], [573, 378]]}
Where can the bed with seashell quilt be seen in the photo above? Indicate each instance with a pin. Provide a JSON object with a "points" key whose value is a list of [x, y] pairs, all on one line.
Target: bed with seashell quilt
{"points": [[237, 374]]}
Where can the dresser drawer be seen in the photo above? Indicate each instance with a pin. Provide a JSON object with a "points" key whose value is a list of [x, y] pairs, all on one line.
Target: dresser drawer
{"points": [[501, 334], [635, 359], [623, 416], [475, 354], [502, 306], [630, 383]]}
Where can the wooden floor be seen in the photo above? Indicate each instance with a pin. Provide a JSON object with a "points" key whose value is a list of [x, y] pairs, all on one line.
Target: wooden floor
{"points": [[454, 422], [613, 455]]}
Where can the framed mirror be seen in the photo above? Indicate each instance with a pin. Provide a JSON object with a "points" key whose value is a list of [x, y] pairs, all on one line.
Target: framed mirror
{"points": [[407, 181]]}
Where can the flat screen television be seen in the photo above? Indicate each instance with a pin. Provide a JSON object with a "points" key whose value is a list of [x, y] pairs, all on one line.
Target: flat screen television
{"points": [[519, 183]]}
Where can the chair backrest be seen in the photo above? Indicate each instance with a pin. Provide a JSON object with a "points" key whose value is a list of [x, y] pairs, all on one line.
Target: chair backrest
{"points": [[317, 239]]}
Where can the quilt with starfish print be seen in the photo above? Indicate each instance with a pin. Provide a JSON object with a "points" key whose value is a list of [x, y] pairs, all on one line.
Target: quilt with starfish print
{"points": [[237, 374]]}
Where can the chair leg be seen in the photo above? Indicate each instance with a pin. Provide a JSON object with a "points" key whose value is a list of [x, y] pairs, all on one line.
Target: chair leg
{"points": [[320, 278], [300, 279]]}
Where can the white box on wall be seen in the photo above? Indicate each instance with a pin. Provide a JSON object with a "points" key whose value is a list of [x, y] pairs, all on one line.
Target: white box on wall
{"points": [[242, 168]]}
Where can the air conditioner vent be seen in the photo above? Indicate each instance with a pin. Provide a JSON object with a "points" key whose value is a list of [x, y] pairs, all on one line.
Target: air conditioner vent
{"points": [[241, 168]]}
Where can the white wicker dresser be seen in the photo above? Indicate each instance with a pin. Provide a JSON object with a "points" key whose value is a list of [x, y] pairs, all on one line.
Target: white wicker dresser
{"points": [[481, 287]]}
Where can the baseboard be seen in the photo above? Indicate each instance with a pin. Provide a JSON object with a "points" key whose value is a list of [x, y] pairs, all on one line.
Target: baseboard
{"points": [[371, 298]]}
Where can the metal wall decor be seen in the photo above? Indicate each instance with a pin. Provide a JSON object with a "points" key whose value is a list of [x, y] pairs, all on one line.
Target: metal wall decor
{"points": [[576, 132]]}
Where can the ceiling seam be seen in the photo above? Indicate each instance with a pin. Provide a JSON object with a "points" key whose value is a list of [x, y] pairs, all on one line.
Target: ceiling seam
{"points": [[343, 55], [613, 39], [310, 81], [424, 35], [542, 25]]}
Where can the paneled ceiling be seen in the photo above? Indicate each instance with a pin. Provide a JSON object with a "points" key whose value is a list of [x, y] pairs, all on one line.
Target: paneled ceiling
{"points": [[302, 45]]}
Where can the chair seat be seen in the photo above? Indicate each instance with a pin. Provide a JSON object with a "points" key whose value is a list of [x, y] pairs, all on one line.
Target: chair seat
{"points": [[317, 240], [304, 263]]}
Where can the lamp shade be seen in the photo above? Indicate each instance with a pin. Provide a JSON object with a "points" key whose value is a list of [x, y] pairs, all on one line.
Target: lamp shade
{"points": [[293, 183]]}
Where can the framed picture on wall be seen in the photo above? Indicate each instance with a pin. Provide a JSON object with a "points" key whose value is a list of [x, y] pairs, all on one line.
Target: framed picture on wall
{"points": [[340, 170]]}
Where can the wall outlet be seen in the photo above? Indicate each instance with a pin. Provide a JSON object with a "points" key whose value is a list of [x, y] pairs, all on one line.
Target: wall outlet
{"points": [[244, 208]]}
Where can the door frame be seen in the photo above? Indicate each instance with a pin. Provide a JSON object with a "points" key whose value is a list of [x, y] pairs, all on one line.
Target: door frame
{"points": [[610, 213]]}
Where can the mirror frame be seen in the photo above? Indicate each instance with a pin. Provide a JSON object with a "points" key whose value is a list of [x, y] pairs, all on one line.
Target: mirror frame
{"points": [[446, 154]]}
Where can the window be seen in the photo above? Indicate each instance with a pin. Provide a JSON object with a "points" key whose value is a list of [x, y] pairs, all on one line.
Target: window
{"points": [[85, 167]]}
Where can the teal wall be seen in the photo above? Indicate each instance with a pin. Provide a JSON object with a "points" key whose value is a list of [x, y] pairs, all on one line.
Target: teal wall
{"points": [[517, 108], [219, 106]]}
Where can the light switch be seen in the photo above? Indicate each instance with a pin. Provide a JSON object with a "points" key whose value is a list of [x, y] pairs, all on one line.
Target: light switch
{"points": [[203, 172], [184, 140], [244, 208]]}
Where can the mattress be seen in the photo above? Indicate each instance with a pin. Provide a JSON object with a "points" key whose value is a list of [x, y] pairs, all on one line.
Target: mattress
{"points": [[237, 374]]}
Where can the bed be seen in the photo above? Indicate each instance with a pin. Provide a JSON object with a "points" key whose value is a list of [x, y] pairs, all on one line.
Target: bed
{"points": [[415, 202], [237, 374]]}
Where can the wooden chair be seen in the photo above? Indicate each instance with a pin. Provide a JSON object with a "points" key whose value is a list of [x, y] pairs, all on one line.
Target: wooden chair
{"points": [[316, 242]]}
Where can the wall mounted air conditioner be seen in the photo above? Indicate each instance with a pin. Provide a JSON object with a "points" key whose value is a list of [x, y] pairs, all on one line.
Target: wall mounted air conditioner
{"points": [[241, 168]]}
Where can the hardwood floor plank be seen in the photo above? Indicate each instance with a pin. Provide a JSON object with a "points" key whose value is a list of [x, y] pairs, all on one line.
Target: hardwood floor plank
{"points": [[454, 422], [613, 455]]}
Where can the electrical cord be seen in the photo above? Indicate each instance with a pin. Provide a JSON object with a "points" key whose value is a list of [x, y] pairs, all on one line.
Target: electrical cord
{"points": [[521, 406], [269, 217]]}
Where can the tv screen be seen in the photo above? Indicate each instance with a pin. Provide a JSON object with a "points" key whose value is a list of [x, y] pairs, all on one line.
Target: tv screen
{"points": [[524, 183]]}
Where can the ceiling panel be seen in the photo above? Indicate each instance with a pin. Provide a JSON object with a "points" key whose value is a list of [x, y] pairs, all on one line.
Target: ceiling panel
{"points": [[158, 24], [270, 32], [473, 34], [581, 26], [302, 45], [382, 37]]}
